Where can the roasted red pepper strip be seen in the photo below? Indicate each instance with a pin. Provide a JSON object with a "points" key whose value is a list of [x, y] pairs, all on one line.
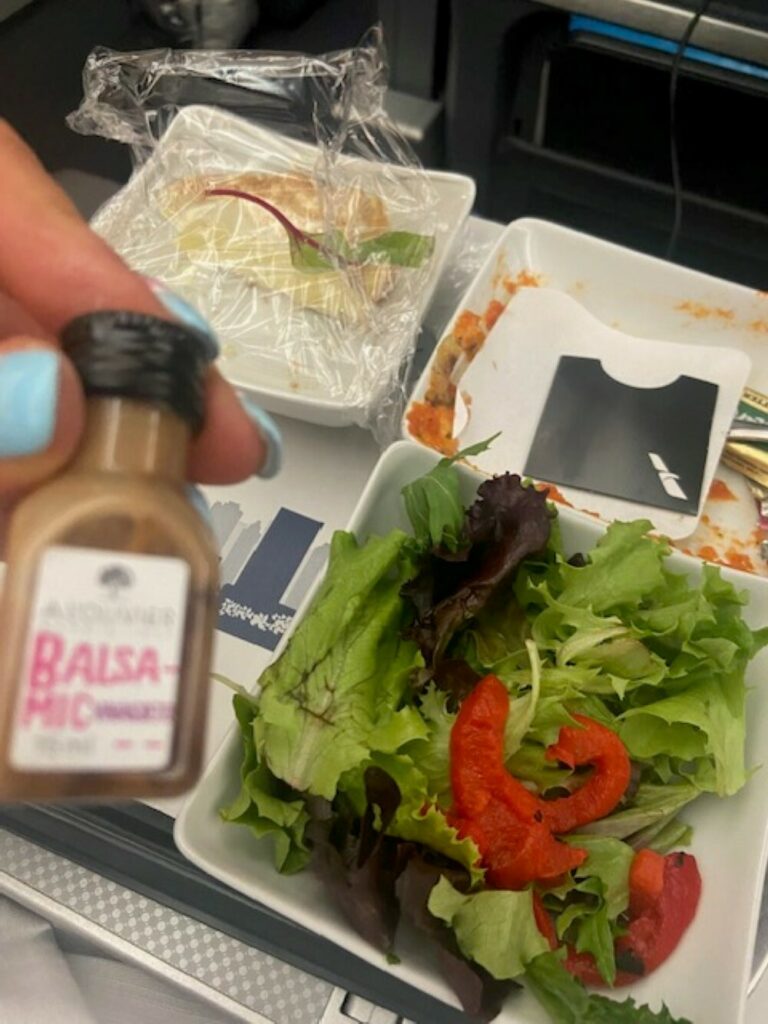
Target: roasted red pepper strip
{"points": [[658, 919], [646, 880], [504, 819], [477, 755], [516, 852], [588, 743]]}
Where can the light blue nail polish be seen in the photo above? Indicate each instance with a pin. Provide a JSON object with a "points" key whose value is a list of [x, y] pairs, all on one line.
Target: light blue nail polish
{"points": [[29, 396], [186, 313], [270, 432], [197, 498]]}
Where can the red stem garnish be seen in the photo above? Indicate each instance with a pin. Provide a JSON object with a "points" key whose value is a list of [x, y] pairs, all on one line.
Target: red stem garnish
{"points": [[295, 232]]}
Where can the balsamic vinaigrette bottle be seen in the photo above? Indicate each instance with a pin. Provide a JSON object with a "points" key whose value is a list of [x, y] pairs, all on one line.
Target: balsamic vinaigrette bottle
{"points": [[109, 602]]}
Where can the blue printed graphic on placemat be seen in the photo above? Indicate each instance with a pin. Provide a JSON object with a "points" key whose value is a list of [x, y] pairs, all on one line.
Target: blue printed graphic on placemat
{"points": [[259, 594]]}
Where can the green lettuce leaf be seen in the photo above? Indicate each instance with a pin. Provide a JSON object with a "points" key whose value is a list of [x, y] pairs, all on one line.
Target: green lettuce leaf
{"points": [[419, 824], [664, 836], [552, 713], [496, 929], [399, 248], [609, 860], [522, 709], [506, 524], [396, 248], [433, 502], [601, 888], [624, 567], [675, 611], [529, 763], [591, 653], [400, 768], [587, 903], [646, 736], [708, 717], [652, 803], [666, 659], [587, 641], [567, 1001], [594, 935], [622, 660], [433, 753], [417, 819], [400, 727], [336, 690], [728, 603], [554, 621], [495, 641], [265, 804]]}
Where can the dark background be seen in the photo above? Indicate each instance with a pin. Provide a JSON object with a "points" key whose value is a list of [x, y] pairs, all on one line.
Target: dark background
{"points": [[567, 126]]}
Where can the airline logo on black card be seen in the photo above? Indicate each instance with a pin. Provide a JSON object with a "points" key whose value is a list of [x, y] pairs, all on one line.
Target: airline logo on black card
{"points": [[668, 479], [261, 585]]}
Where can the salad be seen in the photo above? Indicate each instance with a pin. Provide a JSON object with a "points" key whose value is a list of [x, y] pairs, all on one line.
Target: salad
{"points": [[473, 733]]}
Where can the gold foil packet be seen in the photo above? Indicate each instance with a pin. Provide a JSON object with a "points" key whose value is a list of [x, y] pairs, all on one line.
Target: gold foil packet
{"points": [[750, 458]]}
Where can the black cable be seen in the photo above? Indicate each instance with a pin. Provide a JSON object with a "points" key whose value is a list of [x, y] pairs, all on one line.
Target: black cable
{"points": [[674, 157]]}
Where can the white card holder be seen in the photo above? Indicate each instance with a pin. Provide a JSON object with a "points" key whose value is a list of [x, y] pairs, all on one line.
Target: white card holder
{"points": [[505, 389]]}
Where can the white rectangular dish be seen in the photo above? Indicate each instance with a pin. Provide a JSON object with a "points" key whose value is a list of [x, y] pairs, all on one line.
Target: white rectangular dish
{"points": [[729, 835], [321, 385], [646, 298]]}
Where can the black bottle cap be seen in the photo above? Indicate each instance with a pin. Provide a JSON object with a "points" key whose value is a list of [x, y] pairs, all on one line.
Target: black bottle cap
{"points": [[136, 355]]}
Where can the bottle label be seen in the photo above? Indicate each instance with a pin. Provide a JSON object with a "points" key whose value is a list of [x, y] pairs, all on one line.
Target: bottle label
{"points": [[102, 661]]}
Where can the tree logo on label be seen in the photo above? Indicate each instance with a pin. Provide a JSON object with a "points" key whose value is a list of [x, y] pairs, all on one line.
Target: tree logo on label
{"points": [[115, 578]]}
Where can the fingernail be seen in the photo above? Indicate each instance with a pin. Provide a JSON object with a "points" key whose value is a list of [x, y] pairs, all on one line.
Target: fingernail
{"points": [[270, 433], [186, 313], [197, 498], [29, 395]]}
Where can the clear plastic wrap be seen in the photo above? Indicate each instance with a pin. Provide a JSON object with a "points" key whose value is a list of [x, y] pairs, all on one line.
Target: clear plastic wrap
{"points": [[273, 192]]}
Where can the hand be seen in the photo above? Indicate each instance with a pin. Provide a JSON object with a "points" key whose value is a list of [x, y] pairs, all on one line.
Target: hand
{"points": [[52, 269]]}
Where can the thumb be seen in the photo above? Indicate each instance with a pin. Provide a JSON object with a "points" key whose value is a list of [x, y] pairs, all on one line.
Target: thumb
{"points": [[41, 413]]}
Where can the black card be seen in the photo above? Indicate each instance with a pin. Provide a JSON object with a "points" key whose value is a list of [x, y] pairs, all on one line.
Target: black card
{"points": [[647, 445]]}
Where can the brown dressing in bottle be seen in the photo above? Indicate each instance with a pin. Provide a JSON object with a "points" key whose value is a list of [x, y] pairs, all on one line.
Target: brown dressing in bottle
{"points": [[110, 596]]}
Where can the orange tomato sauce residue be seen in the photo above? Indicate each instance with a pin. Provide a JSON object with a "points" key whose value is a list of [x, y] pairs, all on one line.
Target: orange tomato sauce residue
{"points": [[700, 311], [470, 331], [523, 279], [433, 426], [707, 552], [492, 313], [431, 421], [738, 560], [720, 491], [732, 558], [555, 494]]}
